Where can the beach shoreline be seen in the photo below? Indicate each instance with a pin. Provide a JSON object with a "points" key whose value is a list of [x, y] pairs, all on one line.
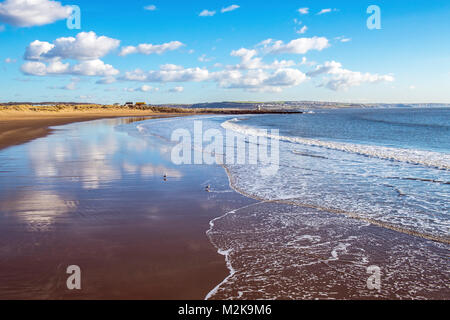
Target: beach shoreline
{"points": [[21, 127]]}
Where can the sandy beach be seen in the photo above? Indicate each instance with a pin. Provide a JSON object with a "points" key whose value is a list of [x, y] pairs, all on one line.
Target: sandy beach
{"points": [[134, 234]]}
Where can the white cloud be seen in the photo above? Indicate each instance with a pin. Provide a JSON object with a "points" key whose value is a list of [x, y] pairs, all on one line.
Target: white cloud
{"points": [[71, 86], [204, 58], [146, 88], [28, 13], [250, 74], [297, 46], [253, 74], [259, 80], [150, 7], [306, 62], [86, 46], [106, 80], [302, 30], [85, 68], [41, 69], [230, 8], [327, 10], [10, 60], [248, 59], [303, 10], [45, 58], [327, 67], [169, 73], [94, 68], [177, 89], [146, 48], [343, 39], [207, 13], [36, 49], [342, 79], [285, 78]]}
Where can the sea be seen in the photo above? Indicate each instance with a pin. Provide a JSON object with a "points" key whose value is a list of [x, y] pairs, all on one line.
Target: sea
{"points": [[353, 188]]}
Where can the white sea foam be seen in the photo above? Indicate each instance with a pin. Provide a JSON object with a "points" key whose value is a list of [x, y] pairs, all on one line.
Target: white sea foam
{"points": [[419, 157]]}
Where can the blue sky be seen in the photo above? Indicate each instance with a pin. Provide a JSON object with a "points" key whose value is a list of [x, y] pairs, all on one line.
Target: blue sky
{"points": [[253, 51]]}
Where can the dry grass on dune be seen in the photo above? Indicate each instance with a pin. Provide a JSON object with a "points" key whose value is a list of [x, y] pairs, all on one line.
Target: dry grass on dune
{"points": [[90, 108]]}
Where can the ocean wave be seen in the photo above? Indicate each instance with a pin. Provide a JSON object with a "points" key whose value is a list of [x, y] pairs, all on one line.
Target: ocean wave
{"points": [[411, 156]]}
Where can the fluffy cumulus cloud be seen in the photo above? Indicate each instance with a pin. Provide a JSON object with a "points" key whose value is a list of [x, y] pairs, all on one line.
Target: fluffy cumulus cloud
{"points": [[337, 78], [94, 68], [147, 48], [85, 68], [296, 46], [230, 8], [45, 58], [85, 46], [168, 73], [259, 80], [36, 50], [250, 73], [28, 13], [249, 60], [36, 68]]}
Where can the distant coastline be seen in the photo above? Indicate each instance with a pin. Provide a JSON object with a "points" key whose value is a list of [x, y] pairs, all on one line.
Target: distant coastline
{"points": [[238, 105]]}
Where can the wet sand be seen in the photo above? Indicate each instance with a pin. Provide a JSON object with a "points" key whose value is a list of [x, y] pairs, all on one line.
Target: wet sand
{"points": [[20, 127], [92, 196]]}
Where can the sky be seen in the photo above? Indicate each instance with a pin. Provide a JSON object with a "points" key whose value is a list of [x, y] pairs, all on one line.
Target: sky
{"points": [[169, 51]]}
